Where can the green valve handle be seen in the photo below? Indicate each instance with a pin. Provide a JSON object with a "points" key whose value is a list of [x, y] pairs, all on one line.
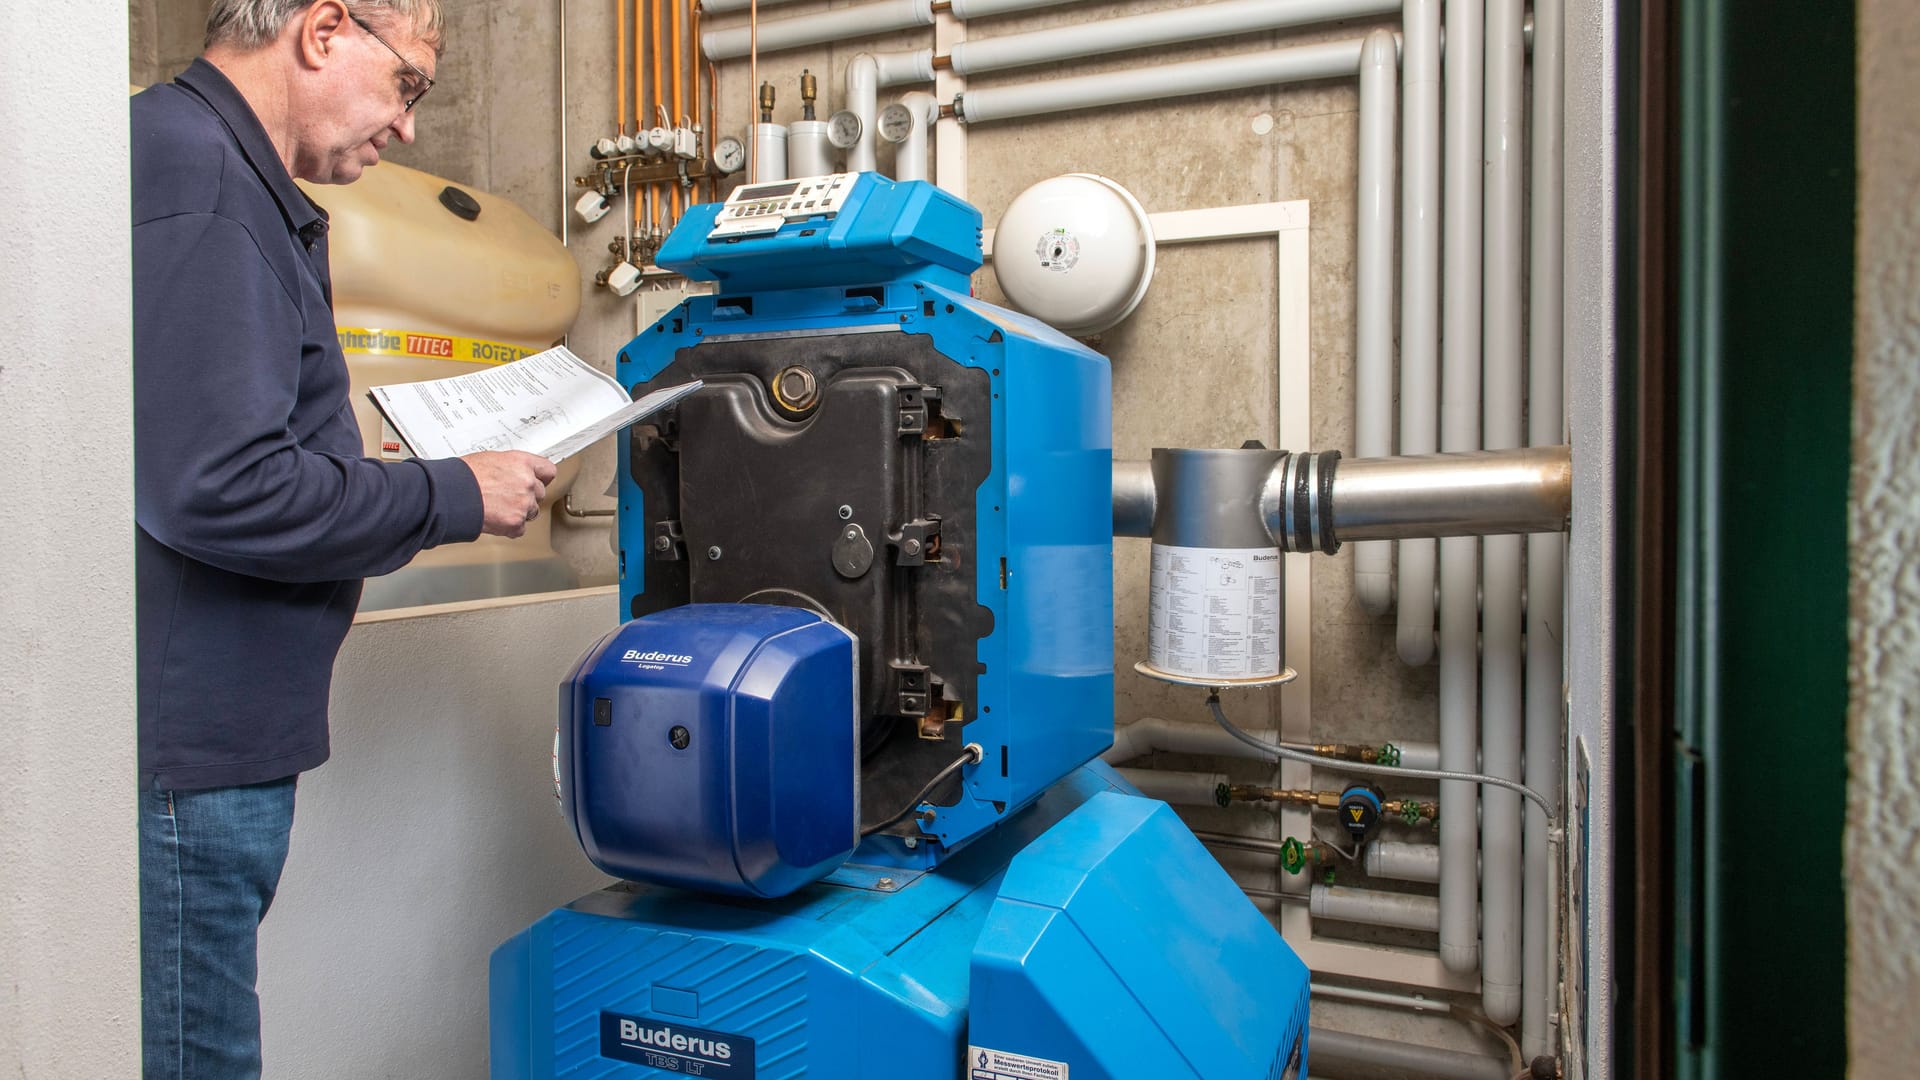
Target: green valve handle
{"points": [[1390, 755], [1293, 856], [1222, 795]]}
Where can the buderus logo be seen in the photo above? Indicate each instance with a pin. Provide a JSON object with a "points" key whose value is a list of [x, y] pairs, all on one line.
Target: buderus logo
{"points": [[635, 656], [675, 1047]]}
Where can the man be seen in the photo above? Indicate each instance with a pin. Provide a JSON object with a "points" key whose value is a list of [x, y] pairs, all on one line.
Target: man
{"points": [[257, 515]]}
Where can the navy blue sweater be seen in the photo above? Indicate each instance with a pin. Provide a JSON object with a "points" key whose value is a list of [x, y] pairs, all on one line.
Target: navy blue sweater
{"points": [[257, 514]]}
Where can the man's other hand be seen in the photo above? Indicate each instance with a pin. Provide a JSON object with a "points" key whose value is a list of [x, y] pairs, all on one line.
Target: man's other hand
{"points": [[512, 483]]}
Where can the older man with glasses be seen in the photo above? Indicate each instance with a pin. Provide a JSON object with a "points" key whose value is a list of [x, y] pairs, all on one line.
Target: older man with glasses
{"points": [[257, 516]]}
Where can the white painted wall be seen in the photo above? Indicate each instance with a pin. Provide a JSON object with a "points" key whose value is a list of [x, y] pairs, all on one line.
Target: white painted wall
{"points": [[430, 837], [1883, 863], [69, 968], [1592, 291]]}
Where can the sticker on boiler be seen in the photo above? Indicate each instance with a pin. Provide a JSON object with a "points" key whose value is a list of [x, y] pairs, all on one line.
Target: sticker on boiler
{"points": [[985, 1064]]}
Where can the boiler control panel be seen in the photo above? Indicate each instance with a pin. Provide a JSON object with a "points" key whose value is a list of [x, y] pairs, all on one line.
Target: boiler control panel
{"points": [[756, 209]]}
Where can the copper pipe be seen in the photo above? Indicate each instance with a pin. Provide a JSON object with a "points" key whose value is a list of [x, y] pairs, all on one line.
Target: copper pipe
{"points": [[679, 76], [942, 63], [620, 46], [659, 56], [640, 85], [713, 135], [753, 86]]}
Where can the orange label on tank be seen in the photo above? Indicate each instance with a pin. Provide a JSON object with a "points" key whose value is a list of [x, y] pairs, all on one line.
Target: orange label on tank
{"points": [[373, 342], [423, 345]]}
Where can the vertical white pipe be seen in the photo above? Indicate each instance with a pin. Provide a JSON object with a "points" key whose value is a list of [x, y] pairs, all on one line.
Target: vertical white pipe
{"points": [[910, 161], [863, 89], [1419, 301], [1373, 300], [1460, 430], [1546, 553], [1500, 656]]}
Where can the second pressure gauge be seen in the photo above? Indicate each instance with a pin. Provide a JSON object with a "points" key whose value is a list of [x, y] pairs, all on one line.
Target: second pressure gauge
{"points": [[843, 129], [729, 154], [896, 123]]}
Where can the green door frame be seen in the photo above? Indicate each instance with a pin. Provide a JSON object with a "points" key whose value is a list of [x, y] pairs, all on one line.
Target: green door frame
{"points": [[1763, 258]]}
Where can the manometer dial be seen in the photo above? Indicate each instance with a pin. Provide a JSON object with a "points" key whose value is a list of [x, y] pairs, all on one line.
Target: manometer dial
{"points": [[896, 123], [843, 129], [729, 154]]}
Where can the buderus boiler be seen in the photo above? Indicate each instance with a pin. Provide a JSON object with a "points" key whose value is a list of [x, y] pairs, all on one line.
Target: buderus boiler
{"points": [[843, 751]]}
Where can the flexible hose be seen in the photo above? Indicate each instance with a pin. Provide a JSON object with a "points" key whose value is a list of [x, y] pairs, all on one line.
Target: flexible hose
{"points": [[1213, 705]]}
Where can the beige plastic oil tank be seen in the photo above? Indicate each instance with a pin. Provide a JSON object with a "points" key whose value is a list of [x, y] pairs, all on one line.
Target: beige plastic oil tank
{"points": [[425, 287]]}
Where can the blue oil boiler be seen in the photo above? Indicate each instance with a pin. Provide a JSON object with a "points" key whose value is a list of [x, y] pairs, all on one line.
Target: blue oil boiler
{"points": [[843, 751]]}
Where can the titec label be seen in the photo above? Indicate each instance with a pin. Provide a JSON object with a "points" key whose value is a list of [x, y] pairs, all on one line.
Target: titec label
{"points": [[675, 1048]]}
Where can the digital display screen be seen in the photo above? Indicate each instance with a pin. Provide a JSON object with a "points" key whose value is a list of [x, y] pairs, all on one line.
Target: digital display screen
{"points": [[766, 191]]}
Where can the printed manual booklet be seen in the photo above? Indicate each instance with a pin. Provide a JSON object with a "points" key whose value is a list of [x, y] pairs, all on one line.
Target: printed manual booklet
{"points": [[553, 404]]}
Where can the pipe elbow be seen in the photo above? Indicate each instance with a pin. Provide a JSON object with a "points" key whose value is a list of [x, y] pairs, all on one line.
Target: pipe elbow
{"points": [[1415, 644], [1501, 1001], [1460, 959], [1381, 48]]}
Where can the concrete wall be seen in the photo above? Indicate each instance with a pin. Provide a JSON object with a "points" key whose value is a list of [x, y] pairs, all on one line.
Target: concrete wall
{"points": [[429, 838], [69, 966], [1883, 864]]}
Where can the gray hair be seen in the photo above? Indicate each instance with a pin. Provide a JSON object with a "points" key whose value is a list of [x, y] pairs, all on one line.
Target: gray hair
{"points": [[249, 24]]}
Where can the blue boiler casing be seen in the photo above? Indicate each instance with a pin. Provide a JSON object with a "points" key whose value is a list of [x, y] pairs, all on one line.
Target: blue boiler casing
{"points": [[864, 825]]}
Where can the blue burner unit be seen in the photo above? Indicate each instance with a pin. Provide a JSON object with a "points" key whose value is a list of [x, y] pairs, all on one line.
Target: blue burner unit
{"points": [[843, 751]]}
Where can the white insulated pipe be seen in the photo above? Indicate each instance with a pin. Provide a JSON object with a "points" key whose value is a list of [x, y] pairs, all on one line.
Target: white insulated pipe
{"points": [[1419, 303], [911, 156], [1178, 788], [863, 100], [1374, 908], [1299, 63], [976, 9], [1373, 299], [840, 24], [1403, 862], [1196, 23], [1151, 733], [1460, 430], [905, 68], [1503, 404], [720, 7], [770, 153], [1546, 555]]}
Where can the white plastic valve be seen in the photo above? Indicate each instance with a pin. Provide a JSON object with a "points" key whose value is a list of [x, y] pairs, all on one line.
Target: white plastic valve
{"points": [[606, 148], [623, 279], [660, 140], [591, 207], [686, 144], [627, 144]]}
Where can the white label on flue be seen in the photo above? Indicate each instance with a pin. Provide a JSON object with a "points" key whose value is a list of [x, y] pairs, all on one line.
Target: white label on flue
{"points": [[1215, 612]]}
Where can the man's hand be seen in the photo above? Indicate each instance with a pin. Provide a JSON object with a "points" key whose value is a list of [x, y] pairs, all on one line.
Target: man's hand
{"points": [[512, 483]]}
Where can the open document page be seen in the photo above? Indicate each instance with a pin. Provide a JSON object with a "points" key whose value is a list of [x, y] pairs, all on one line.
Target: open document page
{"points": [[553, 404]]}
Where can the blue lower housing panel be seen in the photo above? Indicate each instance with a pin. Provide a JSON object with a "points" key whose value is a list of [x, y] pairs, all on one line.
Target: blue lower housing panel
{"points": [[1117, 948], [859, 978]]}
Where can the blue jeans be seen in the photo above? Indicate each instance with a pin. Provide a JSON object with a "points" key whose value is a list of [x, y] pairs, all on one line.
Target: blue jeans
{"points": [[209, 864]]}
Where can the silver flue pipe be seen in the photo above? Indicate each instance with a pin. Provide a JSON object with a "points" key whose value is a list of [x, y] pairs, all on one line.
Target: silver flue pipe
{"points": [[1316, 502]]}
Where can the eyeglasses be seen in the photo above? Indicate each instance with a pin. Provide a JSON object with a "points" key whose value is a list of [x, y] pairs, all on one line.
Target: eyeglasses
{"points": [[411, 92]]}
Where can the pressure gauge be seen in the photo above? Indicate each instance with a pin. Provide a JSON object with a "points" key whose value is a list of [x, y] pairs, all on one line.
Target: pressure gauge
{"points": [[729, 154], [843, 129], [896, 123]]}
